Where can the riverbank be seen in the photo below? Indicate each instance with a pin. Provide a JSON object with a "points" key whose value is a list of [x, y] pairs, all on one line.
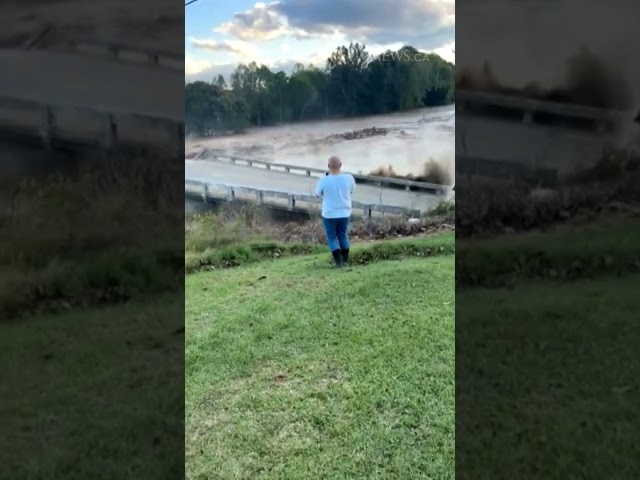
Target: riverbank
{"points": [[235, 236]]}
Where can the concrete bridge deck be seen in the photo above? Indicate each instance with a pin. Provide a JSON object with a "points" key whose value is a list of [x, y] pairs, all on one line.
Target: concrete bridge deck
{"points": [[88, 98], [505, 136], [218, 173]]}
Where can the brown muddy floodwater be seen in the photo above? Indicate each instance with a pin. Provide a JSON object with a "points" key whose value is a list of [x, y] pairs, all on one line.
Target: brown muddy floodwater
{"points": [[412, 139]]}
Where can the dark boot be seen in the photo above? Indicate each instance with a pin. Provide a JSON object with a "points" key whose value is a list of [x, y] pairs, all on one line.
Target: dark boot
{"points": [[345, 256], [337, 258]]}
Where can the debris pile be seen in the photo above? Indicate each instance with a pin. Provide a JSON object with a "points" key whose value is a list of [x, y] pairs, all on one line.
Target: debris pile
{"points": [[358, 134]]}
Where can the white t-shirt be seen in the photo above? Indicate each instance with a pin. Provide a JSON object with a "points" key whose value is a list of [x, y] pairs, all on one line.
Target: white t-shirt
{"points": [[336, 191]]}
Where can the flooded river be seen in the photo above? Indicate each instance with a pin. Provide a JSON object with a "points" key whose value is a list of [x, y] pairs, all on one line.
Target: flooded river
{"points": [[412, 139]]}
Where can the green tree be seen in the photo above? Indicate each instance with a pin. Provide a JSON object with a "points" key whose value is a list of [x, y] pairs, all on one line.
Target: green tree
{"points": [[351, 83], [346, 67]]}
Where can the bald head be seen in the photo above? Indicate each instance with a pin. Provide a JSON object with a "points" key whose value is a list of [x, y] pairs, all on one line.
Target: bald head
{"points": [[335, 164]]}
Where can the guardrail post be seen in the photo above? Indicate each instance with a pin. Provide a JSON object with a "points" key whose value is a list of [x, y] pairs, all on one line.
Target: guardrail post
{"points": [[231, 194], [292, 202], [47, 125], [205, 191], [154, 58], [250, 163], [111, 131], [260, 197], [308, 173], [367, 211], [268, 166], [408, 188], [287, 169]]}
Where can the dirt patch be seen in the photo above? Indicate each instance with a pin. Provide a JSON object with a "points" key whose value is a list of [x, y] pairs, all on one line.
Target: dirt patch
{"points": [[368, 230]]}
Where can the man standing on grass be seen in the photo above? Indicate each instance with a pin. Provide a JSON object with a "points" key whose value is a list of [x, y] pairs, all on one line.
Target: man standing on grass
{"points": [[336, 189]]}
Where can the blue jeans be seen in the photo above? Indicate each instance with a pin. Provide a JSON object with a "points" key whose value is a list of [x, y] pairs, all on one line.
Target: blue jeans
{"points": [[337, 232]]}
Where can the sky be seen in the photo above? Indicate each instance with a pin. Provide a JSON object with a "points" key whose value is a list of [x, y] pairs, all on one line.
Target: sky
{"points": [[219, 34], [541, 39]]}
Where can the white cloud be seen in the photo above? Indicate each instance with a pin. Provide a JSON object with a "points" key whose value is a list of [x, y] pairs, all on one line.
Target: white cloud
{"points": [[259, 23], [281, 33], [424, 24], [235, 47], [193, 65], [447, 52]]}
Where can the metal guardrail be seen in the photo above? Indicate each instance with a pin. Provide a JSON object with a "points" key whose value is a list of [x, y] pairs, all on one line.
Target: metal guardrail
{"points": [[408, 185], [274, 198], [108, 137], [153, 56], [535, 105], [596, 122], [580, 118], [118, 51]]}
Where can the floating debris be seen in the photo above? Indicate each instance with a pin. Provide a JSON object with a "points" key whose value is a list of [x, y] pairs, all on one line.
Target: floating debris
{"points": [[358, 134]]}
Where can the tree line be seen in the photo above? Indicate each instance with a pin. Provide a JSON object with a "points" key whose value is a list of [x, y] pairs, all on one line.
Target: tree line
{"points": [[352, 83]]}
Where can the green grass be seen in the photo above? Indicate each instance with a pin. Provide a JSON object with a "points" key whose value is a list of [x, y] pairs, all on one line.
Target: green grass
{"points": [[547, 353], [94, 393], [90, 236], [362, 253], [547, 380], [240, 235], [296, 370], [606, 247]]}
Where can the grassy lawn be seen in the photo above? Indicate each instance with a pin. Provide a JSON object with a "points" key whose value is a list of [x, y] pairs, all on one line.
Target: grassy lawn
{"points": [[295, 370], [547, 362], [88, 402], [363, 253], [547, 380]]}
